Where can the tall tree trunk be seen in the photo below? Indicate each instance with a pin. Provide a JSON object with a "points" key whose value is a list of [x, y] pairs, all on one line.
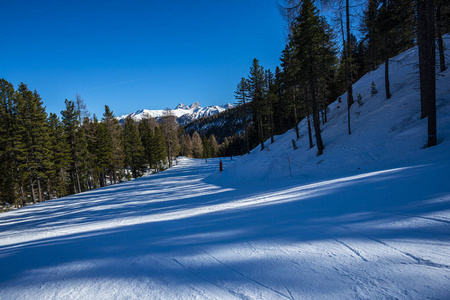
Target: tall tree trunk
{"points": [[423, 49], [386, 67], [63, 181], [431, 99], [246, 128], [33, 196], [347, 80], [296, 122], [271, 126], [19, 180], [39, 191], [315, 111], [348, 118], [77, 177], [349, 73], [427, 60], [440, 41], [310, 132], [48, 189], [74, 188], [311, 144], [261, 134]]}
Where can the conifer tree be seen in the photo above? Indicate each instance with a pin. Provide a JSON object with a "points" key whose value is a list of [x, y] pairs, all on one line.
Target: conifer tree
{"points": [[147, 138], [169, 129], [309, 34], [213, 146], [35, 140], [206, 147], [77, 145], [271, 101], [388, 28], [60, 153], [441, 17], [116, 136], [134, 151], [96, 176], [11, 148], [242, 95], [257, 90], [159, 153], [289, 86]]}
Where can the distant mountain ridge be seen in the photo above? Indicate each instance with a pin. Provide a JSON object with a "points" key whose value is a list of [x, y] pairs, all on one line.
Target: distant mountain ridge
{"points": [[184, 113]]}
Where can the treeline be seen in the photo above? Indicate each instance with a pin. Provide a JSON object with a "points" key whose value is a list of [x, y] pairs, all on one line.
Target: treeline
{"points": [[44, 156], [314, 72], [223, 124]]}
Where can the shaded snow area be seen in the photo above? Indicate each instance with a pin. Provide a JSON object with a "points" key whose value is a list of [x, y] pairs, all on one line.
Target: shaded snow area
{"points": [[369, 219]]}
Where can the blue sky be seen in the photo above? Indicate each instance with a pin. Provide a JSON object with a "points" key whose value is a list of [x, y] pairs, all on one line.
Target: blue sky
{"points": [[137, 54]]}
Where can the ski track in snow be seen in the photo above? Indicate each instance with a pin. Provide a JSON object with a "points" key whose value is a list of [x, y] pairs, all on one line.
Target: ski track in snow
{"points": [[244, 243], [369, 219]]}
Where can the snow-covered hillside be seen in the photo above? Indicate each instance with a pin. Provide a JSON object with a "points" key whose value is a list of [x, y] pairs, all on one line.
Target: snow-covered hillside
{"points": [[369, 219], [184, 113], [385, 133]]}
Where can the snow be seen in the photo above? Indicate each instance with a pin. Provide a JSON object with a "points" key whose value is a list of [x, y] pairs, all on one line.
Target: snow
{"points": [[192, 112], [369, 219]]}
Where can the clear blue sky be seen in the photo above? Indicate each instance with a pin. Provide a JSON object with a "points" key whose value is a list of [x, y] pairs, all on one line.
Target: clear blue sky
{"points": [[137, 54]]}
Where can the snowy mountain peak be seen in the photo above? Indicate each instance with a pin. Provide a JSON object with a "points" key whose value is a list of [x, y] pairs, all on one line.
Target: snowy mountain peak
{"points": [[184, 113], [195, 105], [181, 106]]}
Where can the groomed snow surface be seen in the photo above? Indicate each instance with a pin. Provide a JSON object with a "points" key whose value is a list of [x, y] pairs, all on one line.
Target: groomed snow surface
{"points": [[369, 219]]}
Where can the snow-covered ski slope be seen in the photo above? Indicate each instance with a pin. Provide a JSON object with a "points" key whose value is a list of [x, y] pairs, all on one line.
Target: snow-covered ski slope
{"points": [[369, 219]]}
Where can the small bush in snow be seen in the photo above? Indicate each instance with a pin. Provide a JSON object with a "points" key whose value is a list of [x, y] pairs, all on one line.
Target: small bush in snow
{"points": [[359, 99], [373, 89]]}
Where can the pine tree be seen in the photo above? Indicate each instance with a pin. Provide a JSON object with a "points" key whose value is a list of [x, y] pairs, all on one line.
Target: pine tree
{"points": [[256, 92], [388, 28], [159, 153], [169, 129], [60, 153], [289, 86], [270, 100], [147, 137], [309, 35], [370, 28], [242, 95], [96, 174], [213, 146], [11, 148], [35, 140], [206, 147], [78, 146], [116, 136], [134, 151], [442, 27]]}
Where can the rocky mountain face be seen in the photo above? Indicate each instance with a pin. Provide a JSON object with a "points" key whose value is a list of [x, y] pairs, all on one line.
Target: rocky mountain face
{"points": [[184, 113]]}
